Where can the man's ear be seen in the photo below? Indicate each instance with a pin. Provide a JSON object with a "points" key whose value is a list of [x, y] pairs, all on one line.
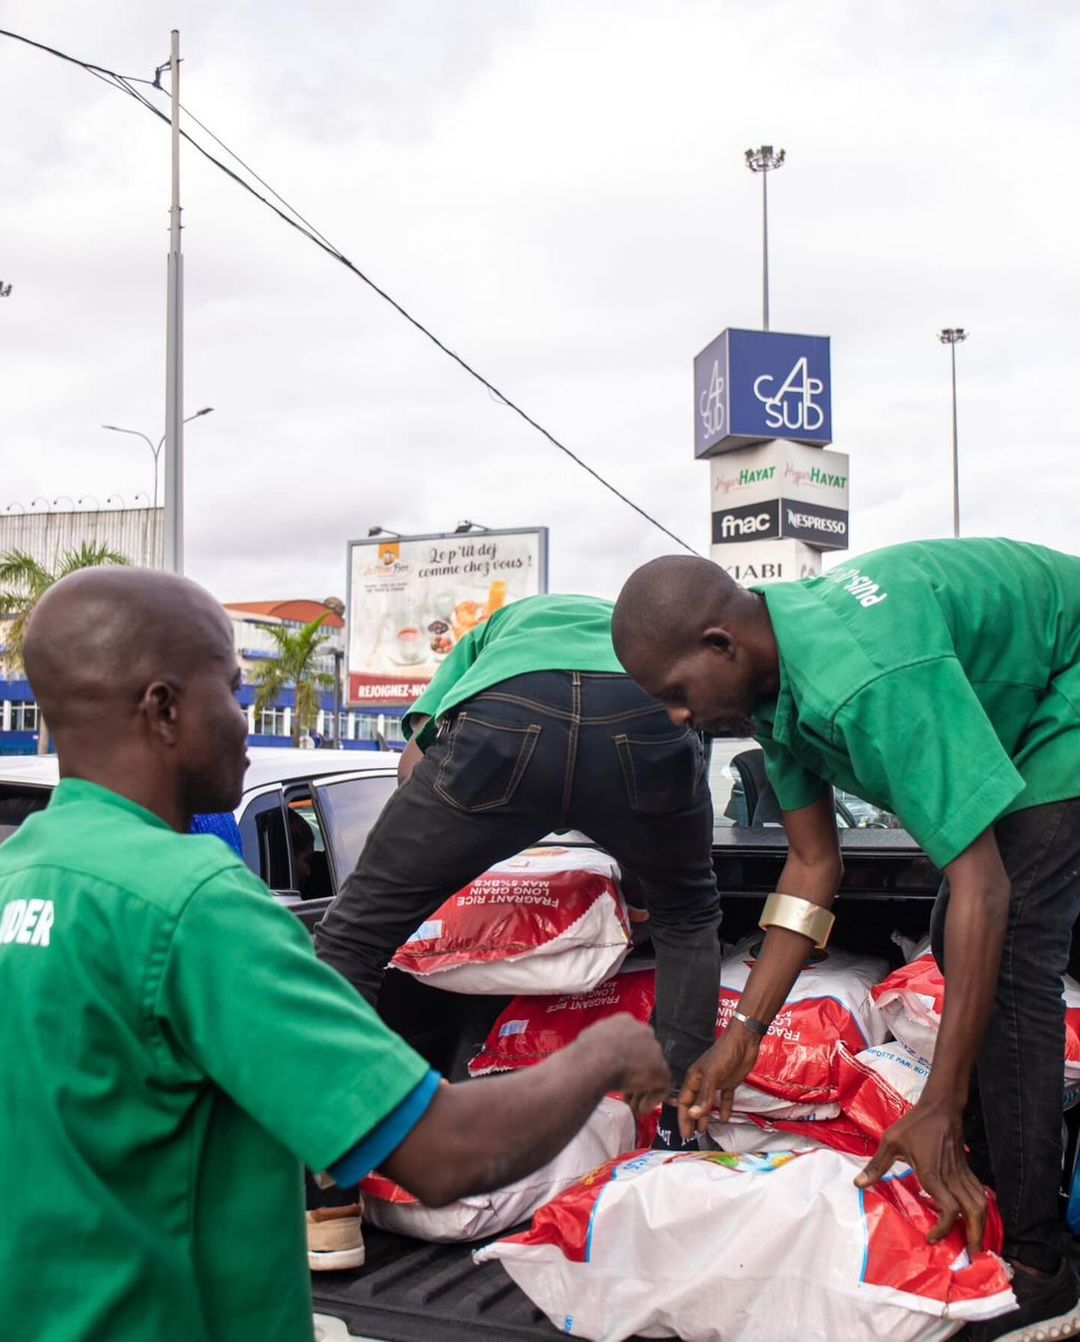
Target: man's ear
{"points": [[718, 639], [159, 706]]}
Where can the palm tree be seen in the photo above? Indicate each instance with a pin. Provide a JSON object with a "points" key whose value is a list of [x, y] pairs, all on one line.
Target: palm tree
{"points": [[297, 651], [23, 582]]}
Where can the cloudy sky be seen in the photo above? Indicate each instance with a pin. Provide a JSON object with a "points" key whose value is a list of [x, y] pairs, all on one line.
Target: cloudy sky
{"points": [[557, 189]]}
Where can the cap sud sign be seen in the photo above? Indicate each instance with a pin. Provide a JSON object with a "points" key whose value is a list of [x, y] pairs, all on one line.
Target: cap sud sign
{"points": [[754, 386]]}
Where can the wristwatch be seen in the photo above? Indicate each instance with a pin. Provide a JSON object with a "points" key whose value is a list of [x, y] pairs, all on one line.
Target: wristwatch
{"points": [[751, 1023]]}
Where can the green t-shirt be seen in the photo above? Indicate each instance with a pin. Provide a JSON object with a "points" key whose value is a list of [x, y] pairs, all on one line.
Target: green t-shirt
{"points": [[539, 633], [171, 1051], [939, 679]]}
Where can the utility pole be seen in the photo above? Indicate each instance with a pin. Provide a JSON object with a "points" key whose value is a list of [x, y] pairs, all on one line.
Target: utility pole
{"points": [[339, 657], [174, 345], [764, 160], [951, 336]]}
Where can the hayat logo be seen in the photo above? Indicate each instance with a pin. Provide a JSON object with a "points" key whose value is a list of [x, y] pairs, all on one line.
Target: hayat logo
{"points": [[815, 477], [711, 403], [792, 406], [724, 484]]}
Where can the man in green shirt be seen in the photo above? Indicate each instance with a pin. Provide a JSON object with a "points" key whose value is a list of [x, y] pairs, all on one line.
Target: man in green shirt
{"points": [[531, 725], [942, 681], [170, 1048]]}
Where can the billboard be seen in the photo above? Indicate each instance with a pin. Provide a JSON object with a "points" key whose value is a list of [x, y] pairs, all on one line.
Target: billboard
{"points": [[410, 600], [754, 386], [767, 561]]}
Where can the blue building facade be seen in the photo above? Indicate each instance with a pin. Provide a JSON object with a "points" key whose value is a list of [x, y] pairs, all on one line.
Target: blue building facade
{"points": [[359, 729]]}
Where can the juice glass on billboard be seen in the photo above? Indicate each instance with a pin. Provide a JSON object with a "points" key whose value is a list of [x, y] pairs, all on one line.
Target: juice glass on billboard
{"points": [[496, 596]]}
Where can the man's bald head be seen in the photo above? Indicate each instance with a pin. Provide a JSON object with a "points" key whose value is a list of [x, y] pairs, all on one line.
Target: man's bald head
{"points": [[666, 603], [696, 640], [99, 636], [135, 673]]}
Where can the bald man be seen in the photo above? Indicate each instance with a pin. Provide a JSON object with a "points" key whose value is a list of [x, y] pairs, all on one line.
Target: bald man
{"points": [[170, 1048], [940, 680]]}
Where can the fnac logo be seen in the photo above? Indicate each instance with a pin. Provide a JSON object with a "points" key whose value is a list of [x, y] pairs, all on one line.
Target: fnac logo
{"points": [[791, 405]]}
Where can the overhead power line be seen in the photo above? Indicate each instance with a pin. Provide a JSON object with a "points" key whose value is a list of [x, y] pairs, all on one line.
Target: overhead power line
{"points": [[291, 216]]}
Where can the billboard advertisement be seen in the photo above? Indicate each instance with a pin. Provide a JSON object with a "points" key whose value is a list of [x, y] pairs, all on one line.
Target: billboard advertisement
{"points": [[754, 386], [411, 599], [767, 561]]}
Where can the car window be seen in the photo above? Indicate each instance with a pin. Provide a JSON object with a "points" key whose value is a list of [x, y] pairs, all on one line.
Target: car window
{"points": [[311, 872], [864, 814], [743, 797], [349, 808], [16, 803], [266, 847]]}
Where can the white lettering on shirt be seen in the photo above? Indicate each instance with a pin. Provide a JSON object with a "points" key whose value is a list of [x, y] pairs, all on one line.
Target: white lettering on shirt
{"points": [[27, 922], [865, 590]]}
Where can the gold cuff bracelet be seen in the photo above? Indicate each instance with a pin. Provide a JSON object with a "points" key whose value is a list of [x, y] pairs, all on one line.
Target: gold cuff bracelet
{"points": [[798, 915]]}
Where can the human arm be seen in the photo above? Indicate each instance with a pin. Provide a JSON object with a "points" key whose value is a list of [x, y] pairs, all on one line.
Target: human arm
{"points": [[298, 1050], [812, 872], [486, 1133], [949, 778], [930, 1138]]}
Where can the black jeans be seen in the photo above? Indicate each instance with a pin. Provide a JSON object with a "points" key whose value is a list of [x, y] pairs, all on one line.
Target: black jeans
{"points": [[539, 752], [1019, 1070]]}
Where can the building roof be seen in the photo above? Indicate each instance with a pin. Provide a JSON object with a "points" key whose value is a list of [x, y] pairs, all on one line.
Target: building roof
{"points": [[298, 610]]}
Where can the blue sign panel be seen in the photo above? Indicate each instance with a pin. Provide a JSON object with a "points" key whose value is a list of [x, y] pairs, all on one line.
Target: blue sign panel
{"points": [[753, 386]]}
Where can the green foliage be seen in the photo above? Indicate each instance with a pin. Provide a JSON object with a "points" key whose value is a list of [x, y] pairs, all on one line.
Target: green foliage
{"points": [[297, 651], [23, 582]]}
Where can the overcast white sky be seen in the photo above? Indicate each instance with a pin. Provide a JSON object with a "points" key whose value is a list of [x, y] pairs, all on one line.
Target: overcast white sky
{"points": [[557, 188]]}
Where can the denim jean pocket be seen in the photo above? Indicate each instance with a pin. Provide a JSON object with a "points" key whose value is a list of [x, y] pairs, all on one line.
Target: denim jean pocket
{"points": [[484, 762], [661, 774]]}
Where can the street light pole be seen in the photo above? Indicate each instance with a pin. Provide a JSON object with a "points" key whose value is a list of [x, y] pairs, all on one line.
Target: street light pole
{"points": [[174, 345], [951, 336], [156, 451], [763, 160], [339, 657]]}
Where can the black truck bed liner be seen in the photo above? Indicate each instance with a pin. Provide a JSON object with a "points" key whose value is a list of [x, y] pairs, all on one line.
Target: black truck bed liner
{"points": [[409, 1291]]}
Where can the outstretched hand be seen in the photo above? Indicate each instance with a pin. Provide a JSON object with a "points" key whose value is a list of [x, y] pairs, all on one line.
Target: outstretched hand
{"points": [[631, 1051], [712, 1080], [930, 1139]]}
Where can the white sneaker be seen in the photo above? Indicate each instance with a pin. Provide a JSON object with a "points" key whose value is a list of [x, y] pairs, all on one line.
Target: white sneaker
{"points": [[334, 1238]]}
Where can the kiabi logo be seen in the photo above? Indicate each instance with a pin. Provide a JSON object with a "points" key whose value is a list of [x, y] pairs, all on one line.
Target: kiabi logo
{"points": [[711, 403], [814, 476], [792, 406]]}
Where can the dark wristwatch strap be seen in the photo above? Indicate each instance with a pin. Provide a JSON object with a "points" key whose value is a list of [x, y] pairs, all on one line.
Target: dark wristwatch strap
{"points": [[755, 1026]]}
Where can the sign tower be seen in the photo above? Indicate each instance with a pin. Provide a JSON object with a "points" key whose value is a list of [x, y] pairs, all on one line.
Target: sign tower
{"points": [[763, 420]]}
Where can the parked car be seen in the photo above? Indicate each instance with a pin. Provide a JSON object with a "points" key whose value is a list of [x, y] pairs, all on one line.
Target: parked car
{"points": [[338, 791]]}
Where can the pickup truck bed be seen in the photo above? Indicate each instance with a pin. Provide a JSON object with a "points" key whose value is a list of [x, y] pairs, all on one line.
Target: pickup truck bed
{"points": [[411, 1291]]}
